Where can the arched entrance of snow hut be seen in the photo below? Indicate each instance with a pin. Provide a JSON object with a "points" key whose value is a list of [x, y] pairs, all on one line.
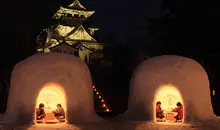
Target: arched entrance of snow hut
{"points": [[169, 96], [51, 95]]}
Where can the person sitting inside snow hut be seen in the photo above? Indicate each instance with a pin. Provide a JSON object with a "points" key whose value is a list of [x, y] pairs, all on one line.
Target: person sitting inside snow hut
{"points": [[40, 113], [59, 113], [179, 110], [159, 111]]}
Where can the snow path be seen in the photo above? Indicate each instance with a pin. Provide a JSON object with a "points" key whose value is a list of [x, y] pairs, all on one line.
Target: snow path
{"points": [[121, 125]]}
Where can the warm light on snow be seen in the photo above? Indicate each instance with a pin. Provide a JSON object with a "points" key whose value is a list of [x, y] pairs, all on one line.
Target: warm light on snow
{"points": [[50, 96], [168, 95], [53, 127], [163, 126]]}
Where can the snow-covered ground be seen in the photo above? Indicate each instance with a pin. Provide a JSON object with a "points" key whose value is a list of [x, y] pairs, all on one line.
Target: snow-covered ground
{"points": [[121, 125]]}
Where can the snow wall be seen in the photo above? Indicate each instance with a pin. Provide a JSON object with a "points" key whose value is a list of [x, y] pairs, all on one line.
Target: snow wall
{"points": [[69, 72], [188, 76]]}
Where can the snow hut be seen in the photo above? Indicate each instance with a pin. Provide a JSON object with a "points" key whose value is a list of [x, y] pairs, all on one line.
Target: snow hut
{"points": [[170, 79], [51, 79]]}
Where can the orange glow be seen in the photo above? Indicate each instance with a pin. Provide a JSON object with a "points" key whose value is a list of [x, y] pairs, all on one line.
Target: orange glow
{"points": [[168, 95], [50, 96], [100, 97], [213, 93], [52, 127]]}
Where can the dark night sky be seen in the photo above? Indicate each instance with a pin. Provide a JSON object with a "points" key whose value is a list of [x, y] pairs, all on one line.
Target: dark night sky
{"points": [[119, 18], [126, 16], [122, 17]]}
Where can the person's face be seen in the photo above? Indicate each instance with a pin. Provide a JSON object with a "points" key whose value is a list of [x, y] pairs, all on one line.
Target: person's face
{"points": [[58, 107], [42, 108], [159, 105]]}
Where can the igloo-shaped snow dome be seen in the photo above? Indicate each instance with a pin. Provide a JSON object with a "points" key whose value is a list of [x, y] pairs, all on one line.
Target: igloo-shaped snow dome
{"points": [[169, 79], [51, 79]]}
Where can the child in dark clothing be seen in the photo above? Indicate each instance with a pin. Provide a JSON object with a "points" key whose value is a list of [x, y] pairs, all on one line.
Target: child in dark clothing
{"points": [[59, 112], [40, 113], [159, 111]]}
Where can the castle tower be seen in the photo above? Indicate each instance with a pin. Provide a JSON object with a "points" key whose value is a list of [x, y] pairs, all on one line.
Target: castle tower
{"points": [[68, 34]]}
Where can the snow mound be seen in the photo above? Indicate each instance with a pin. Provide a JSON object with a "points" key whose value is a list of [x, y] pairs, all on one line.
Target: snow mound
{"points": [[186, 75], [34, 73]]}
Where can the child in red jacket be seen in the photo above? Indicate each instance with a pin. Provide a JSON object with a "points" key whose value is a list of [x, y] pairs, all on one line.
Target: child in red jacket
{"points": [[179, 110]]}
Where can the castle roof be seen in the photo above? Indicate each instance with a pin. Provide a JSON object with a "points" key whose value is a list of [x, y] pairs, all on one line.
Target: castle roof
{"points": [[76, 5]]}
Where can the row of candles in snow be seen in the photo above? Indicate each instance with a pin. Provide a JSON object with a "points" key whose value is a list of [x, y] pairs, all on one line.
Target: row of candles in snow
{"points": [[102, 100]]}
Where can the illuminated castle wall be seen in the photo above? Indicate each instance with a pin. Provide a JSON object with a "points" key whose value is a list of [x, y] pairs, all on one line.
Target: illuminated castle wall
{"points": [[68, 34]]}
